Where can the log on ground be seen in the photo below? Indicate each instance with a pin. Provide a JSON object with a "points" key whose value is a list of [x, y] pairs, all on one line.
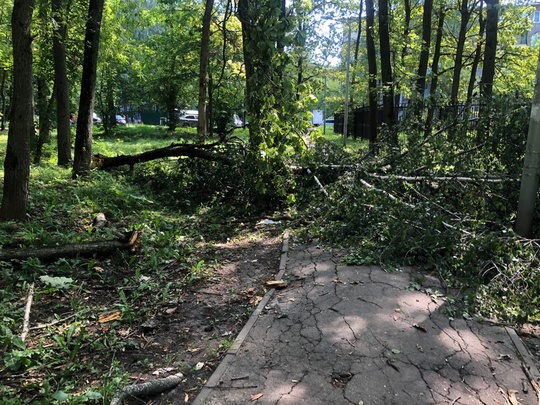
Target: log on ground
{"points": [[129, 242]]}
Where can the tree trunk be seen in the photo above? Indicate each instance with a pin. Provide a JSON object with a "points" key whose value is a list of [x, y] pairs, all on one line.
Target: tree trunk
{"points": [[477, 55], [424, 56], [45, 103], [202, 129], [458, 63], [243, 15], [531, 167], [488, 70], [83, 137], [61, 85], [128, 242], [389, 112], [372, 71], [21, 128], [174, 150], [435, 72], [3, 100]]}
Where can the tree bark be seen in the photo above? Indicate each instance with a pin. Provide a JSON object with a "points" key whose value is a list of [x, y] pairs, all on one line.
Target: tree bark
{"points": [[61, 84], [83, 137], [488, 70], [45, 101], [129, 242], [372, 71], [174, 150], [202, 124], [389, 112], [3, 100], [531, 167], [243, 16], [424, 55], [21, 128], [435, 72], [477, 55], [458, 63]]}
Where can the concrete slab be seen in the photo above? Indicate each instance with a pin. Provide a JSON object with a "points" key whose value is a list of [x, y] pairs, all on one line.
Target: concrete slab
{"points": [[358, 335]]}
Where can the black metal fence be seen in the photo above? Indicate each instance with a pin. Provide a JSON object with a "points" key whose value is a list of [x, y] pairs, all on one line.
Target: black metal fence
{"points": [[359, 123]]}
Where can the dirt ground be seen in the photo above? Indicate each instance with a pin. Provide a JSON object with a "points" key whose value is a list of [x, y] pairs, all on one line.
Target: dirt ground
{"points": [[192, 335]]}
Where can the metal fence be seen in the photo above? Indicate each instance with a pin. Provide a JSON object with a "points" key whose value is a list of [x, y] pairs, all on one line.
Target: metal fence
{"points": [[359, 125]]}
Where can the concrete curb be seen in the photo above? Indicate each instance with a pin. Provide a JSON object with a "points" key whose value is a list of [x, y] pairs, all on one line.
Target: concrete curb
{"points": [[527, 361], [215, 378]]}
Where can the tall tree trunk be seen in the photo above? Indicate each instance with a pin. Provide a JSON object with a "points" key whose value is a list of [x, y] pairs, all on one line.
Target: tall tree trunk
{"points": [[202, 124], [3, 100], [531, 168], [424, 56], [488, 70], [389, 112], [21, 128], [477, 55], [435, 72], [372, 71], [61, 84], [45, 102], [458, 63], [358, 36], [83, 137], [253, 114]]}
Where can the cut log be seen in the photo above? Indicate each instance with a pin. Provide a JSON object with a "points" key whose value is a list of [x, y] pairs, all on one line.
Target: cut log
{"points": [[129, 242], [206, 152]]}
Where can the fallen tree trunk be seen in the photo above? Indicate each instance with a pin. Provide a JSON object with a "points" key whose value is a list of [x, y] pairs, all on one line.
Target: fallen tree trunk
{"points": [[174, 150], [102, 248]]}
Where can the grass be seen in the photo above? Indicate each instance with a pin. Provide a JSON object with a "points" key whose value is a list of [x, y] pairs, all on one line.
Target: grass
{"points": [[61, 212]]}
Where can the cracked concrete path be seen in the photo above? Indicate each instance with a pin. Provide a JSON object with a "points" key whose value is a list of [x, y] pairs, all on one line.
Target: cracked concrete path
{"points": [[359, 335]]}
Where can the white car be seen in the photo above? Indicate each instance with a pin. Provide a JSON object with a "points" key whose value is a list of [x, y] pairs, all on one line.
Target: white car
{"points": [[120, 120], [96, 120], [189, 120]]}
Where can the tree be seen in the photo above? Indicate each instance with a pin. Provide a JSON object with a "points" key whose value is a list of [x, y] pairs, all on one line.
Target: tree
{"points": [[21, 128], [203, 70], [83, 137], [528, 192], [424, 53], [372, 71], [488, 70], [389, 112], [61, 83], [441, 14]]}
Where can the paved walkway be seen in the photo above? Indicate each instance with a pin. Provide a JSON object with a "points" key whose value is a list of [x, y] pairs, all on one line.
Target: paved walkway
{"points": [[358, 335]]}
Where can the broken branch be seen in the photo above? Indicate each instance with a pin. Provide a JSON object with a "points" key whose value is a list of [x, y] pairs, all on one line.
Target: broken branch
{"points": [[26, 321], [146, 389]]}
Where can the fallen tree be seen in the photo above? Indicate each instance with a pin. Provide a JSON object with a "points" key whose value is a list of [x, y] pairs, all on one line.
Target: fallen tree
{"points": [[207, 152], [129, 242]]}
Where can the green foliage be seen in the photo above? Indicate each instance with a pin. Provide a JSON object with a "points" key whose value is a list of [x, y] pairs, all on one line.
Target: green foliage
{"points": [[457, 229]]}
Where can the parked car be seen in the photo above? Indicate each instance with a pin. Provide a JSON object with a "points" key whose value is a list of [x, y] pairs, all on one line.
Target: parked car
{"points": [[329, 120], [96, 119], [189, 120], [120, 120]]}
